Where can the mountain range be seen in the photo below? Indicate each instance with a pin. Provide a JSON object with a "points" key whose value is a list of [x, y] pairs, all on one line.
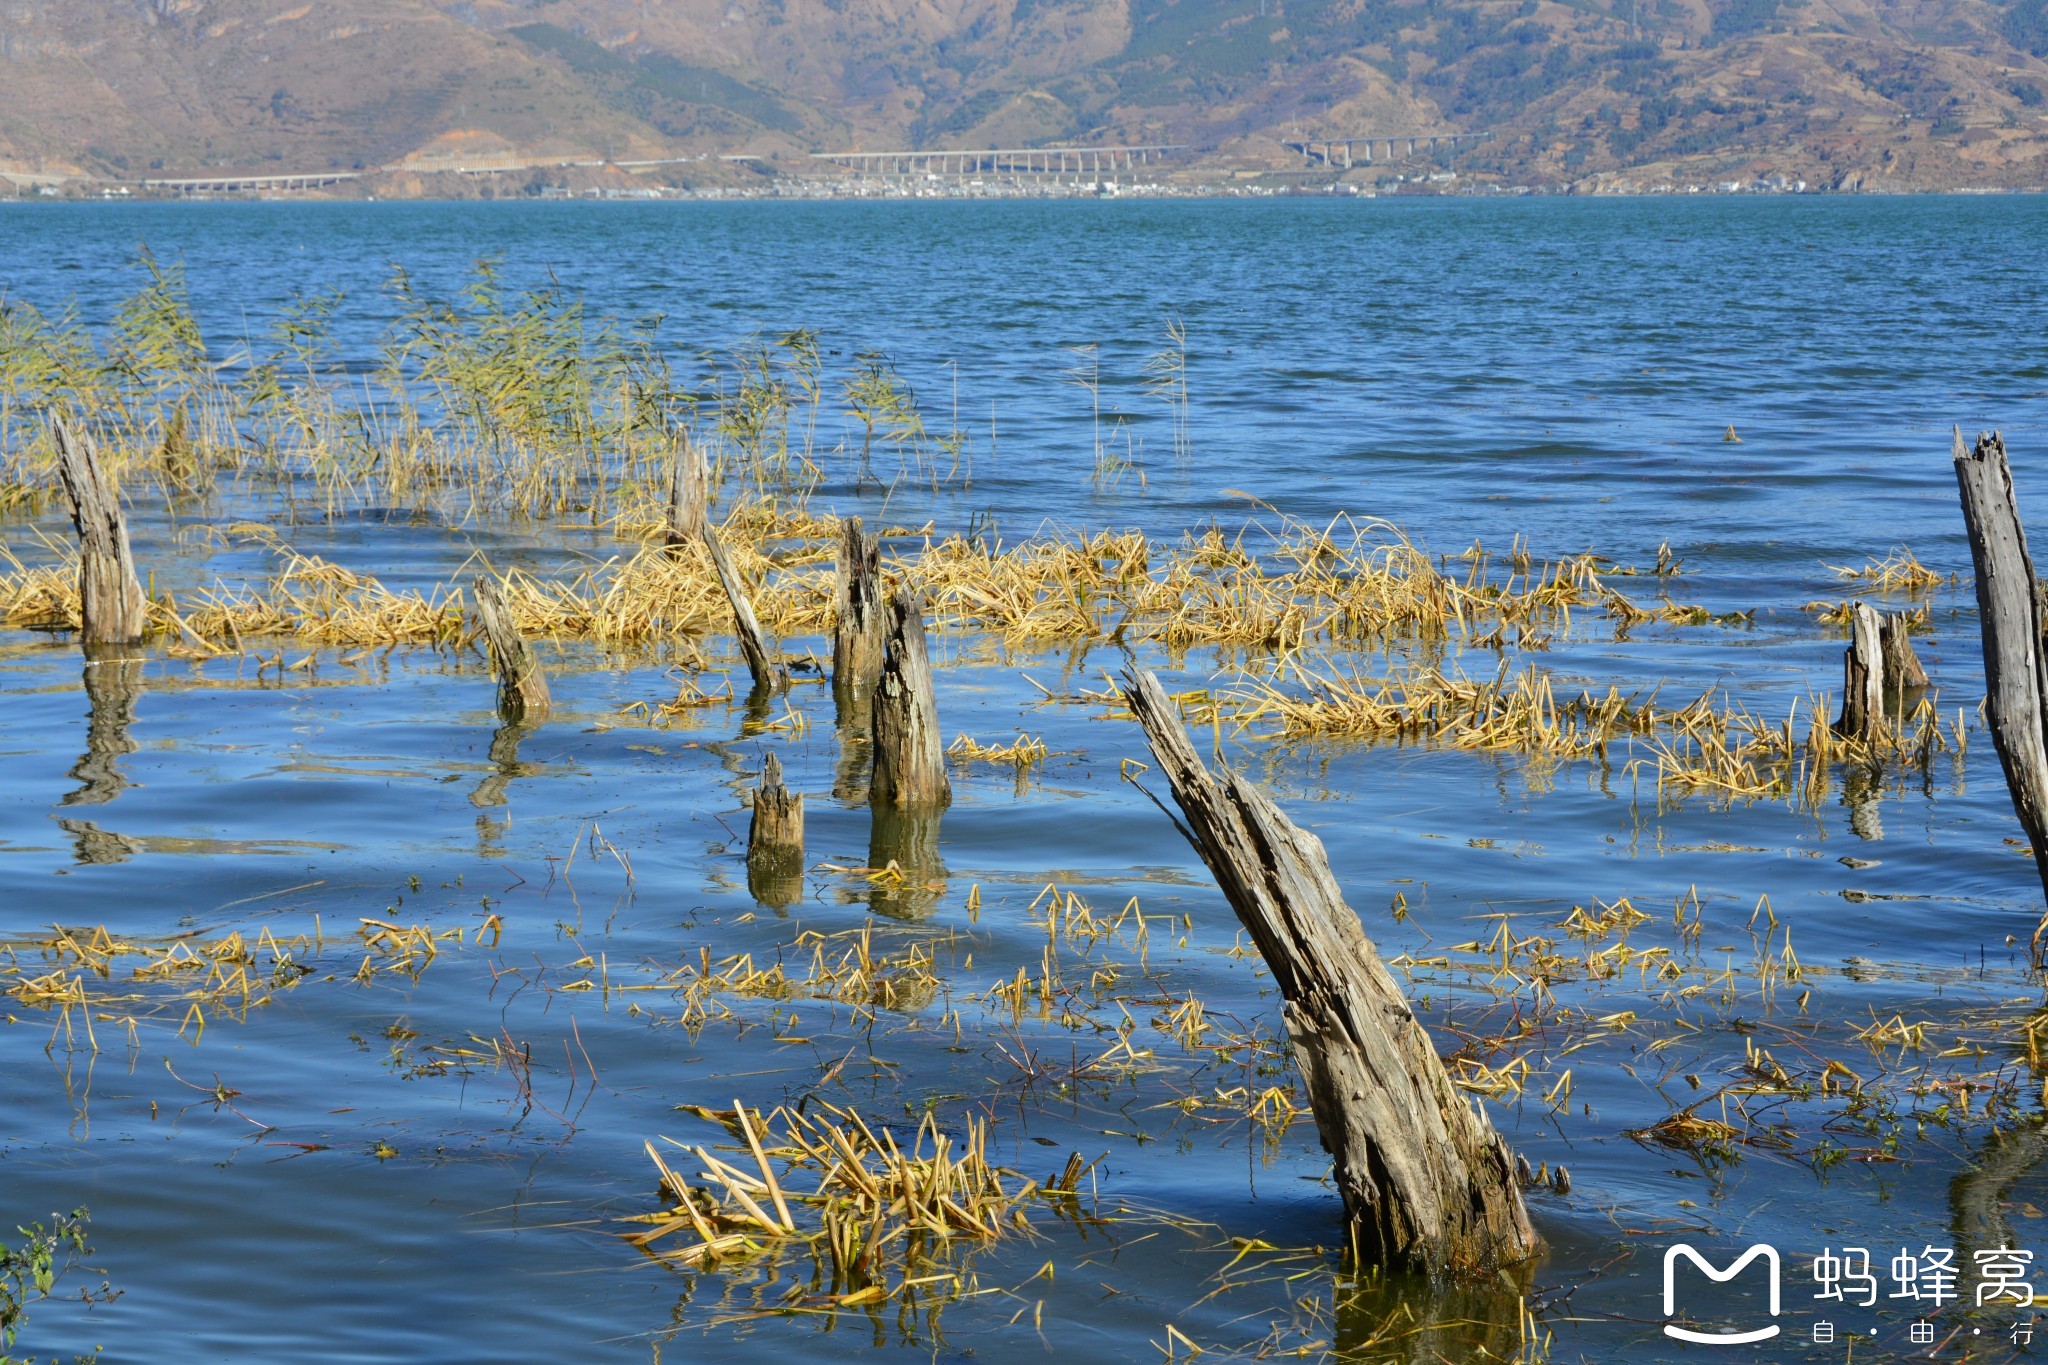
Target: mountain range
{"points": [[1908, 94]]}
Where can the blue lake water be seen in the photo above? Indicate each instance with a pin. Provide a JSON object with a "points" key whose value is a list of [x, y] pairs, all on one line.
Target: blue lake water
{"points": [[1561, 370]]}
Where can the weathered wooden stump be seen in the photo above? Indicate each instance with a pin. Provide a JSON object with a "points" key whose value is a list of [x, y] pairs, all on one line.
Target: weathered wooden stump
{"points": [[1880, 674], [761, 664], [909, 757], [523, 697], [111, 604], [1902, 668], [689, 496], [775, 840], [2015, 683], [1428, 1185], [1862, 715], [860, 629]]}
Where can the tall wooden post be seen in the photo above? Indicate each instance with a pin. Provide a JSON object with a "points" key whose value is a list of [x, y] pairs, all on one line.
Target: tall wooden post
{"points": [[860, 629], [111, 604], [523, 697], [2015, 682], [689, 496], [1428, 1185], [909, 757]]}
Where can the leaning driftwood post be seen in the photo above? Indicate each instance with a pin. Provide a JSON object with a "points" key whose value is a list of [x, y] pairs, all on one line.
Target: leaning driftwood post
{"points": [[860, 630], [2016, 688], [522, 687], [775, 840], [767, 674], [110, 599], [689, 496], [1428, 1184], [910, 760]]}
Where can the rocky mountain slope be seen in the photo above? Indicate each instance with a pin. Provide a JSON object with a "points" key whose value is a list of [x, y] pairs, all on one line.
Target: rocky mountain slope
{"points": [[1906, 93]]}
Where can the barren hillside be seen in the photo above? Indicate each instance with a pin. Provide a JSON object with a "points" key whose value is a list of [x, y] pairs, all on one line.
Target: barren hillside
{"points": [[1914, 93]]}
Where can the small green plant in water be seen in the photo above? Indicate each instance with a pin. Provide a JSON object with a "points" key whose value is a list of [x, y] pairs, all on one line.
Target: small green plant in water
{"points": [[883, 403], [29, 1272]]}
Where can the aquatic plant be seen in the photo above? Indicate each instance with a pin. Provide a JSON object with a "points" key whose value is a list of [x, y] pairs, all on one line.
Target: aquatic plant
{"points": [[1898, 571], [876, 1209], [1166, 378], [878, 398], [30, 1272], [194, 982]]}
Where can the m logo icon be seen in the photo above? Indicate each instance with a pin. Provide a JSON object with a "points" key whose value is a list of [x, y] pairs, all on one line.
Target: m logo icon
{"points": [[1770, 1257]]}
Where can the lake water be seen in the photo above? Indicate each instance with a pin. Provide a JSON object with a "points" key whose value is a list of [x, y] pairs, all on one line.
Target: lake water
{"points": [[1561, 370]]}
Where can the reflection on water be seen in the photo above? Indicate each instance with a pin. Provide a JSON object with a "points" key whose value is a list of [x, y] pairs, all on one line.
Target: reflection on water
{"points": [[1981, 1196], [1863, 790], [758, 710], [94, 845], [903, 847], [1413, 1322], [854, 726], [505, 766], [113, 681]]}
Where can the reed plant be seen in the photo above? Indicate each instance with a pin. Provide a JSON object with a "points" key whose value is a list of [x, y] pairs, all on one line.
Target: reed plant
{"points": [[1898, 572], [885, 405], [872, 1212], [1166, 379]]}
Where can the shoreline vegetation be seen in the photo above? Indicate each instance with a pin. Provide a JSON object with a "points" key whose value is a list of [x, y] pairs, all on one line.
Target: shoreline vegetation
{"points": [[514, 409]]}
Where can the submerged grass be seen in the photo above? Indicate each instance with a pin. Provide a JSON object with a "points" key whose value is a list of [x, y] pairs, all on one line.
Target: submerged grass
{"points": [[90, 974], [842, 968], [876, 1210], [1370, 585]]}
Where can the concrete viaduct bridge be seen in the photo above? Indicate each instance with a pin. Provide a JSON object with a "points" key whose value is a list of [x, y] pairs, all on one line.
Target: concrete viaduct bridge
{"points": [[1054, 161], [203, 184], [1357, 151]]}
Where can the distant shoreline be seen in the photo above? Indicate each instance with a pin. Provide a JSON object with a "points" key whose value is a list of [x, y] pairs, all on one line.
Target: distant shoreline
{"points": [[1146, 195]]}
